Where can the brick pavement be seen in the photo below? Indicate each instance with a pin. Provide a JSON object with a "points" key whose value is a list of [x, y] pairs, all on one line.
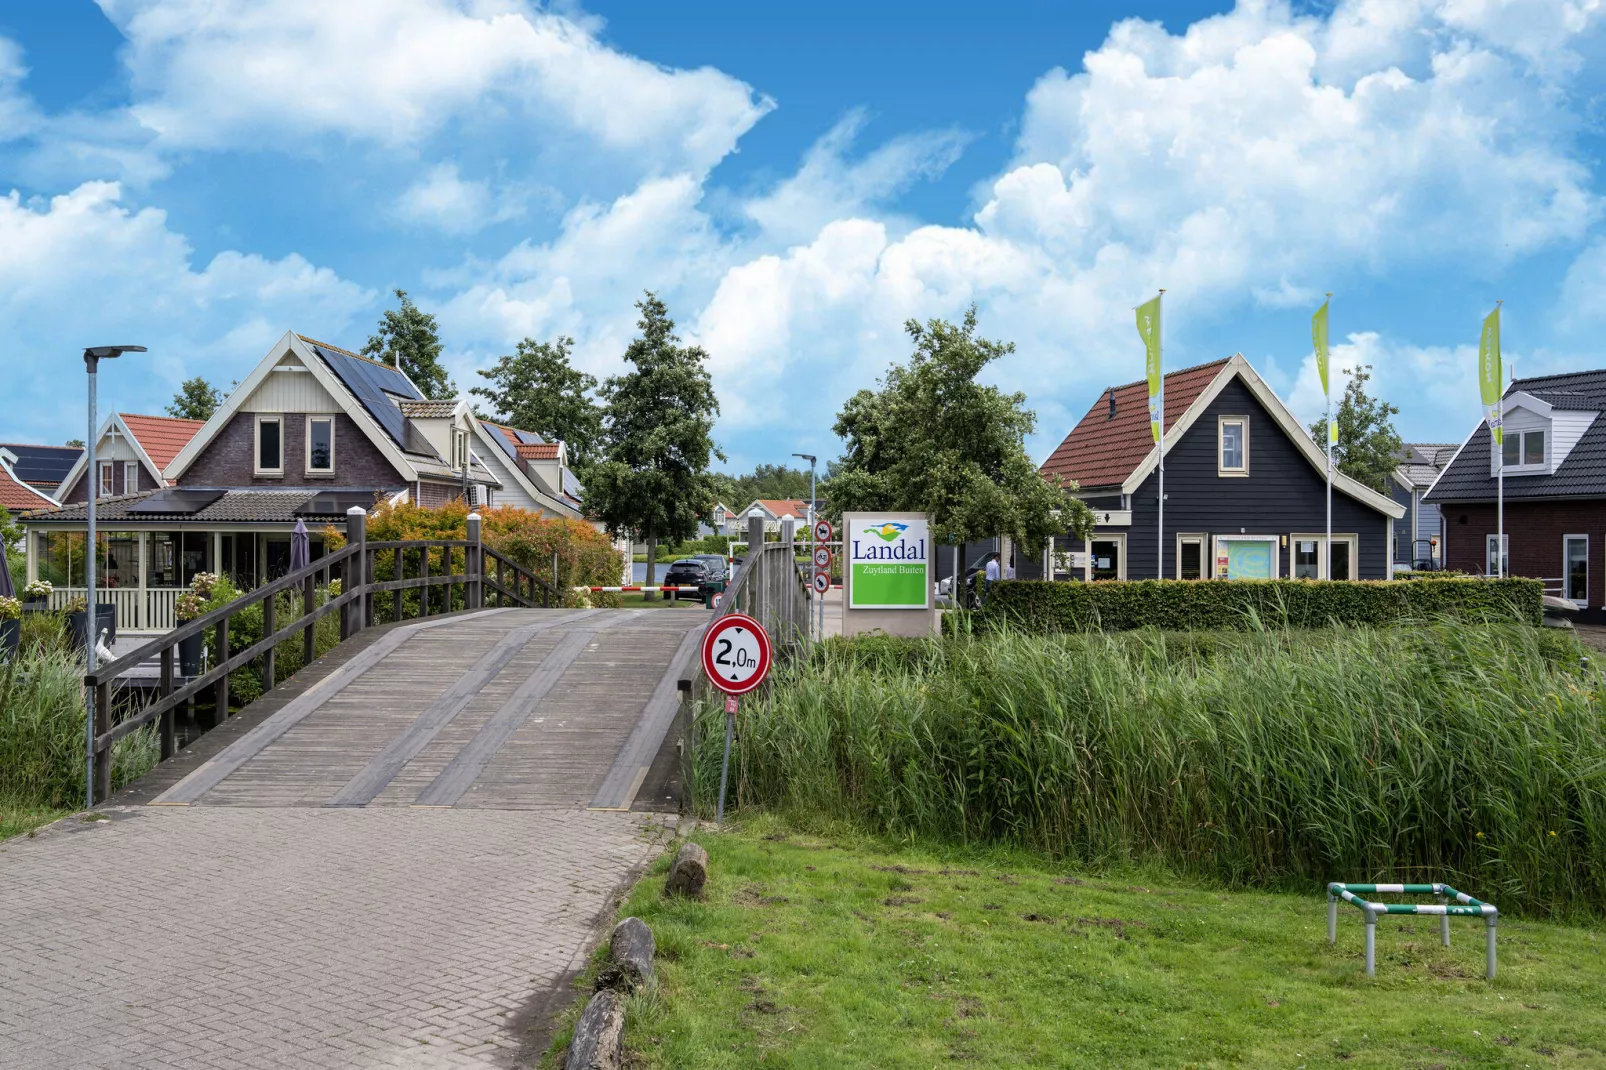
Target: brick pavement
{"points": [[300, 937]]}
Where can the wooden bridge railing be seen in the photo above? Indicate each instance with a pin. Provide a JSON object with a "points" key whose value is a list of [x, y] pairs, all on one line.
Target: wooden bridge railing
{"points": [[512, 585], [770, 587]]}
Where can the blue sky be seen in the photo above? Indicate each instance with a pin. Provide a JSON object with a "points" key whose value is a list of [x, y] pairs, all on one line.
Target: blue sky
{"points": [[796, 181]]}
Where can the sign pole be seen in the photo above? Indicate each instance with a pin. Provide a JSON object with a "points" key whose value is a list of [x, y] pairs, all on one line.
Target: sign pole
{"points": [[736, 656], [725, 763]]}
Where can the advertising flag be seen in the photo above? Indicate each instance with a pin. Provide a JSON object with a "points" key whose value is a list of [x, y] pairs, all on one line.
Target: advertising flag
{"points": [[1149, 331], [1490, 376], [1318, 337]]}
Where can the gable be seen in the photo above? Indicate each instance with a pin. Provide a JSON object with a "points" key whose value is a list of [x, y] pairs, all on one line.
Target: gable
{"points": [[290, 387]]}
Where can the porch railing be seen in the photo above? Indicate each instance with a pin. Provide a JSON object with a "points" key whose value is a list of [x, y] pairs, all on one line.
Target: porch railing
{"points": [[156, 611], [512, 585]]}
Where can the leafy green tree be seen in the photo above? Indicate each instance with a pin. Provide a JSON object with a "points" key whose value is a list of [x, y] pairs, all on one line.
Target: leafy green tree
{"points": [[1368, 446], [536, 388], [653, 482], [196, 399], [934, 440], [764, 481], [74, 442], [409, 339]]}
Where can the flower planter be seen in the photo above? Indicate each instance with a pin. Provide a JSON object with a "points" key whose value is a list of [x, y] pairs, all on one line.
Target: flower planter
{"points": [[108, 622], [189, 655], [10, 636]]}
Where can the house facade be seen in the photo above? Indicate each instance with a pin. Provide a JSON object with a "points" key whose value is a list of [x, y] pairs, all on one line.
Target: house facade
{"points": [[1419, 534], [1245, 489], [1554, 455], [312, 431]]}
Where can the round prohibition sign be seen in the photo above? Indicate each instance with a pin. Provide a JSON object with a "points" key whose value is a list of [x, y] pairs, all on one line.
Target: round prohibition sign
{"points": [[822, 582], [822, 531], [736, 653], [822, 557]]}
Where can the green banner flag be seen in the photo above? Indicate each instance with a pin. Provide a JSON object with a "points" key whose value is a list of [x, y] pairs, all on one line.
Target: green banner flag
{"points": [[1318, 337], [1491, 379], [1149, 331]]}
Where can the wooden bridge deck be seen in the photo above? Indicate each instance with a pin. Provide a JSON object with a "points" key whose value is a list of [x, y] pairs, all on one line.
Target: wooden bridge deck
{"points": [[500, 709]]}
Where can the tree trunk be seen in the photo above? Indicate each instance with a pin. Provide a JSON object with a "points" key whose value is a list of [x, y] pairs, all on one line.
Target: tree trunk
{"points": [[652, 567]]}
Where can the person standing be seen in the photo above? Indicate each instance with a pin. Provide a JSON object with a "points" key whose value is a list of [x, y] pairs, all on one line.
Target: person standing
{"points": [[989, 576]]}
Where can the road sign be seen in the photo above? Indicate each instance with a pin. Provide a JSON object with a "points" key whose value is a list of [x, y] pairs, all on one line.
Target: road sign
{"points": [[822, 531], [822, 557], [822, 582], [736, 653], [717, 599]]}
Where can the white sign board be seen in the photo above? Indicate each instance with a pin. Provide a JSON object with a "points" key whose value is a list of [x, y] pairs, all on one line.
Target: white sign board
{"points": [[887, 563]]}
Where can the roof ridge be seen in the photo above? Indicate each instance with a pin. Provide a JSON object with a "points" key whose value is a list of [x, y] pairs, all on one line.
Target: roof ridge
{"points": [[345, 352], [150, 416], [1178, 371]]}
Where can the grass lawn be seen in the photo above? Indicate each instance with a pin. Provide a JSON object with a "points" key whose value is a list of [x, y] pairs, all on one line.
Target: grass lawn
{"points": [[17, 818], [835, 951], [638, 600]]}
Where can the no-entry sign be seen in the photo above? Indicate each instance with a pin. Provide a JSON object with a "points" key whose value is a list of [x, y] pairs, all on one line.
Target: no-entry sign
{"points": [[736, 654], [822, 582]]}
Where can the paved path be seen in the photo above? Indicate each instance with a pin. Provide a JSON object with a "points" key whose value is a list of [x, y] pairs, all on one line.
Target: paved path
{"points": [[354, 873]]}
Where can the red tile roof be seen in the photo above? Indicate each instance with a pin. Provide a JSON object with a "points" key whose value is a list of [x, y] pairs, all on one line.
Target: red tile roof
{"points": [[537, 451], [161, 436], [1102, 452], [786, 507], [16, 495]]}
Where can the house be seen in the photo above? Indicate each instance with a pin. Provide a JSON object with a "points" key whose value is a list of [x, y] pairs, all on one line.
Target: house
{"points": [[312, 431], [1245, 489], [774, 510], [41, 467], [1554, 452], [18, 496], [1418, 537]]}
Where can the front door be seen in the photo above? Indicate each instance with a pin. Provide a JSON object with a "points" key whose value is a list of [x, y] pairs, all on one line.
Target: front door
{"points": [[1106, 561]]}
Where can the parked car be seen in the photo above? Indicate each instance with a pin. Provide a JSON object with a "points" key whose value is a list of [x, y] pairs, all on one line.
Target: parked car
{"points": [[945, 595], [687, 572], [716, 565]]}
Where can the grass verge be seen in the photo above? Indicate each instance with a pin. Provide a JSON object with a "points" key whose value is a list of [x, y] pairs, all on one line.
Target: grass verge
{"points": [[837, 951], [18, 817]]}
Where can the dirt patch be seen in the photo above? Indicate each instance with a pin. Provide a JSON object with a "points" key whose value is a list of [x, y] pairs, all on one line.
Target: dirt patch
{"points": [[753, 896], [905, 870], [1072, 881], [960, 872], [1049, 918], [901, 900]]}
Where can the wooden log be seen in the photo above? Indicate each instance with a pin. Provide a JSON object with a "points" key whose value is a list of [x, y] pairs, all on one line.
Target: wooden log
{"points": [[598, 1042], [689, 873], [629, 957]]}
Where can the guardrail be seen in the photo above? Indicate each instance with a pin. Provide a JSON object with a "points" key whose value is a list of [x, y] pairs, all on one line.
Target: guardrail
{"points": [[512, 585], [772, 588]]}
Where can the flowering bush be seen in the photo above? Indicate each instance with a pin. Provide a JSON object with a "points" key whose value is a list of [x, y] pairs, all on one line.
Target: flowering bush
{"points": [[10, 608], [334, 588], [38, 590], [188, 606], [204, 582], [76, 604]]}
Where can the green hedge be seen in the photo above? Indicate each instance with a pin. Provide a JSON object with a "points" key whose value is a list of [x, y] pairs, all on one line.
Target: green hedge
{"points": [[1186, 605]]}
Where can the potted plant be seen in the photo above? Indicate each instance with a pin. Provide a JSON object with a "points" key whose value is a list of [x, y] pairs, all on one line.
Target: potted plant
{"points": [[37, 591], [10, 627], [188, 607], [77, 610]]}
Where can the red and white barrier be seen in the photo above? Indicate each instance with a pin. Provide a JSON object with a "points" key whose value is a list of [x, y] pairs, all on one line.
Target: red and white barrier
{"points": [[636, 587]]}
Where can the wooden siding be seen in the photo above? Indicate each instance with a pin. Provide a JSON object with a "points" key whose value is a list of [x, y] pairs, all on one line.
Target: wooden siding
{"points": [[1282, 494], [290, 391]]}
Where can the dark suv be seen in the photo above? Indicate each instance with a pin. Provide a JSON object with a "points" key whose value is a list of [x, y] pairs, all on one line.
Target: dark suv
{"points": [[687, 572]]}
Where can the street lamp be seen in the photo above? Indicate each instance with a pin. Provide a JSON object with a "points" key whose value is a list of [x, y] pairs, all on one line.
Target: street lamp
{"points": [[92, 358], [809, 457]]}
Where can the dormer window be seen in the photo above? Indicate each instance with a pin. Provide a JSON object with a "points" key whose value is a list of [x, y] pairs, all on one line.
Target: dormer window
{"points": [[1523, 448], [459, 450]]}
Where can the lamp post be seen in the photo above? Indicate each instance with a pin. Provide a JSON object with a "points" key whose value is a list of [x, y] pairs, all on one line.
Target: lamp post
{"points": [[92, 358], [809, 457]]}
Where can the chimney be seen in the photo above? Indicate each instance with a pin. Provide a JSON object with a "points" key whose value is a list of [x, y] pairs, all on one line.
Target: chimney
{"points": [[1111, 392]]}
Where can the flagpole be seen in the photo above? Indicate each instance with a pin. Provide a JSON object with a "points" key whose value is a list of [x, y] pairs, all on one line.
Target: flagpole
{"points": [[1500, 494], [1327, 433], [1159, 573]]}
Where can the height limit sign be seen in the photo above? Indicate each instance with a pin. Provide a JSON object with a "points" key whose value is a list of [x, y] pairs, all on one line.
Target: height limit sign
{"points": [[736, 653]]}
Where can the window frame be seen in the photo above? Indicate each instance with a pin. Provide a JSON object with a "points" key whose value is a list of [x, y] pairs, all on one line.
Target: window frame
{"points": [[1216, 542], [256, 445], [1087, 566], [459, 450], [1505, 553], [319, 417], [1222, 470], [103, 478], [1566, 577], [1518, 437], [1202, 540], [1352, 538], [130, 477]]}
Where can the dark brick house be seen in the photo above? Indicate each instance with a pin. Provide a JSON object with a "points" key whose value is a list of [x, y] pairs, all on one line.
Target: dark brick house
{"points": [[1554, 456], [1245, 489]]}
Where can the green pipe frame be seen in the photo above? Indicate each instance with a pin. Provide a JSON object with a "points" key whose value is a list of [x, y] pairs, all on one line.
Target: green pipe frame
{"points": [[1464, 906]]}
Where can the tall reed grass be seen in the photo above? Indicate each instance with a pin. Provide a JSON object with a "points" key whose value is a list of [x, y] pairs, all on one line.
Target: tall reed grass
{"points": [[42, 732], [1470, 754]]}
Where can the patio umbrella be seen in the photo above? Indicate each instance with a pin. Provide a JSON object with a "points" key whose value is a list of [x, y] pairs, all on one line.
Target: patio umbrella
{"points": [[7, 588], [300, 547]]}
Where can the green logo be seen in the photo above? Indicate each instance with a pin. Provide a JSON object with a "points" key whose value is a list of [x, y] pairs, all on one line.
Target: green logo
{"points": [[889, 530]]}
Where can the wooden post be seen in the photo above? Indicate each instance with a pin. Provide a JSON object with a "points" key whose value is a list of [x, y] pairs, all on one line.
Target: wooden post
{"points": [[165, 689], [221, 713], [351, 619], [268, 628], [423, 591], [366, 601], [501, 581], [473, 564], [308, 637], [398, 608], [684, 716], [103, 755], [555, 587]]}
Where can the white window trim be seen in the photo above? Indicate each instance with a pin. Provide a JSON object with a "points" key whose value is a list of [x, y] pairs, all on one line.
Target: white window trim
{"points": [[1203, 539], [1505, 552], [130, 477], [1216, 541], [1565, 539], [103, 483], [311, 418], [1521, 468], [1320, 538], [459, 450], [1221, 424], [256, 446], [1120, 570]]}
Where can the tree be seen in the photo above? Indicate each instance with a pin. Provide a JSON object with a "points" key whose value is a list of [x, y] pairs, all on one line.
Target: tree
{"points": [[1368, 446], [74, 442], [196, 399], [765, 481], [933, 440], [409, 339], [536, 389], [653, 481]]}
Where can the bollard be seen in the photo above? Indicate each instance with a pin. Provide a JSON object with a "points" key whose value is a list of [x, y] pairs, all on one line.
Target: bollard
{"points": [[1444, 922], [1371, 943], [473, 564], [1332, 918], [1489, 924]]}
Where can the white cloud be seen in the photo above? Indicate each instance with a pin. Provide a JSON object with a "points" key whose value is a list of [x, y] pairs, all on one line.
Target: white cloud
{"points": [[236, 73], [82, 269], [1583, 291], [17, 113], [1399, 372], [446, 201]]}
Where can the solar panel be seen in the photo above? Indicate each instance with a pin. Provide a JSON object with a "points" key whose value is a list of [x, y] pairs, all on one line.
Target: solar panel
{"points": [[176, 501], [572, 486], [369, 383], [335, 503]]}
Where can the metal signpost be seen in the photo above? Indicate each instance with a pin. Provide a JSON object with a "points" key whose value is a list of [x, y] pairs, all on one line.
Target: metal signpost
{"points": [[823, 535], [736, 659]]}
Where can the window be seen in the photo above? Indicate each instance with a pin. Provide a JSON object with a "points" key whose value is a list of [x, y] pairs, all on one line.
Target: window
{"points": [[105, 480], [1575, 574], [320, 445], [1306, 559], [130, 477], [270, 446], [1497, 562], [459, 450], [1246, 557], [1232, 433], [1190, 557], [1107, 558], [1343, 566], [1521, 449]]}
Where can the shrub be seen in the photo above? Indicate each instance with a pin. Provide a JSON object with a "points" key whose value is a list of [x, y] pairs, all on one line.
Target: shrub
{"points": [[1472, 754], [1116, 605]]}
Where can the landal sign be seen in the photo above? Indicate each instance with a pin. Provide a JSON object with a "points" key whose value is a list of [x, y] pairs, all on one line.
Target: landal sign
{"points": [[889, 563]]}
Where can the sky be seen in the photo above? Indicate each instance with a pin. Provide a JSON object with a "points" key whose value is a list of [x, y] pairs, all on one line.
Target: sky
{"points": [[797, 181]]}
